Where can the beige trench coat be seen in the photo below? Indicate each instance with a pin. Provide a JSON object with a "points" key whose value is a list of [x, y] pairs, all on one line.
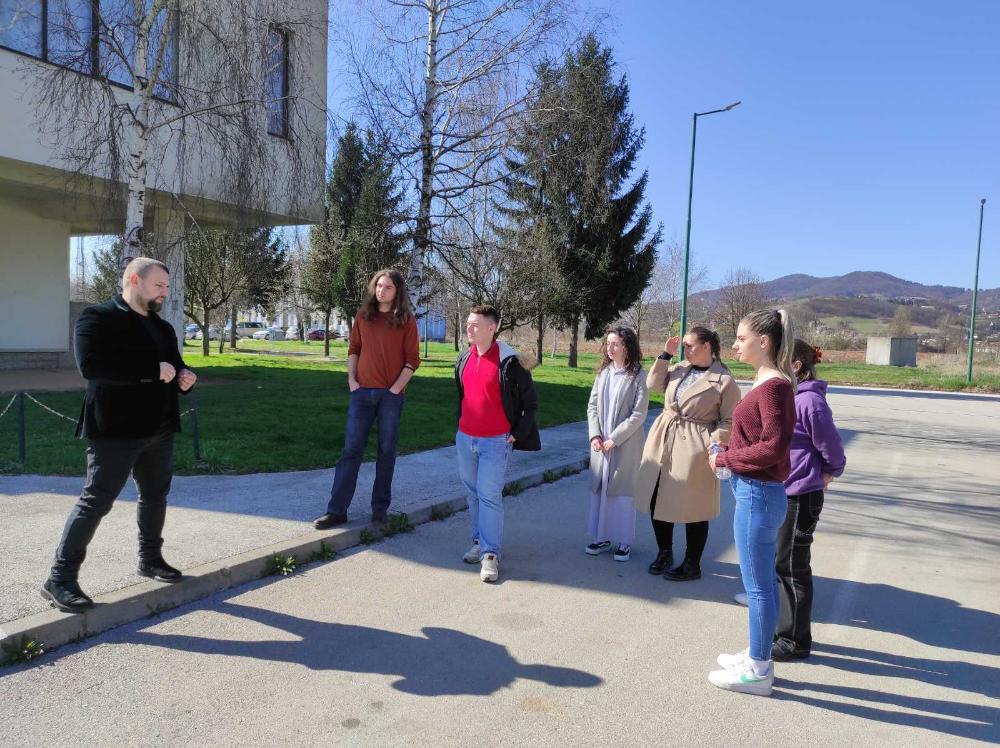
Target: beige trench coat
{"points": [[676, 450], [630, 409]]}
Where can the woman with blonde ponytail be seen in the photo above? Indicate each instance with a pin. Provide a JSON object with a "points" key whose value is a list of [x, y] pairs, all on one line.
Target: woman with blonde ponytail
{"points": [[758, 456]]}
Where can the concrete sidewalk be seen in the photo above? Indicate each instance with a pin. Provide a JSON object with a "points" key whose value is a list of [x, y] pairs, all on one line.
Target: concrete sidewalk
{"points": [[219, 530], [400, 644]]}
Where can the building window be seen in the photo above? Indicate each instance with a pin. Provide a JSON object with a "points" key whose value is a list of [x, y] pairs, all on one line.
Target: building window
{"points": [[94, 37], [21, 26], [277, 82], [71, 34]]}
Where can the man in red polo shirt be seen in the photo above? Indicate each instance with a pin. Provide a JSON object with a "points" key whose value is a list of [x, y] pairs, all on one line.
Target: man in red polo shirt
{"points": [[496, 413]]}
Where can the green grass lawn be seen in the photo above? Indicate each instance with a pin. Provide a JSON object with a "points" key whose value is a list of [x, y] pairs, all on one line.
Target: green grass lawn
{"points": [[261, 413], [272, 413], [870, 326]]}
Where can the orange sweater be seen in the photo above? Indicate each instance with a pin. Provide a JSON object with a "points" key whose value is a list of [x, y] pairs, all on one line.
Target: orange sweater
{"points": [[383, 350]]}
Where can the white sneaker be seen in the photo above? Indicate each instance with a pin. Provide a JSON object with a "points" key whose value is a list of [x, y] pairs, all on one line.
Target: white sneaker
{"points": [[743, 679], [730, 661], [490, 569], [472, 555], [741, 598]]}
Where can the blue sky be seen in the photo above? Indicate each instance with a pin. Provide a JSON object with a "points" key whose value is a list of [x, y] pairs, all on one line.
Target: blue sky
{"points": [[867, 135]]}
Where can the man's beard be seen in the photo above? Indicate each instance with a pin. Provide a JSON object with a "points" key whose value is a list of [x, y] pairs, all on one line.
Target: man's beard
{"points": [[154, 306]]}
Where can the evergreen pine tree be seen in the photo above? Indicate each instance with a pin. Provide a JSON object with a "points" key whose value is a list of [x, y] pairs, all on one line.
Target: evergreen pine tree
{"points": [[571, 191]]}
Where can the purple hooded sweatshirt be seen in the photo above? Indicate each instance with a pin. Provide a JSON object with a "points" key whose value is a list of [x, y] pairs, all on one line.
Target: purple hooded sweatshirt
{"points": [[816, 445]]}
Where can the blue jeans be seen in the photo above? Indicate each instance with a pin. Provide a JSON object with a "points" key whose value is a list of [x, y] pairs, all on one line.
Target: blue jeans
{"points": [[368, 404], [482, 463], [760, 511]]}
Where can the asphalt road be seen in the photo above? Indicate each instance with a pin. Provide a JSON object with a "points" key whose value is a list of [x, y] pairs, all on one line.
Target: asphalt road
{"points": [[400, 644]]}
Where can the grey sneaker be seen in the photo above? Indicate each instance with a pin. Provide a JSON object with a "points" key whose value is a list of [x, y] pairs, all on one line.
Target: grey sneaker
{"points": [[472, 555], [490, 569], [741, 598]]}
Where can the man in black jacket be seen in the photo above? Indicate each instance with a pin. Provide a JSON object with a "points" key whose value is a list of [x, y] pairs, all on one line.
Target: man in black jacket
{"points": [[496, 413], [130, 359]]}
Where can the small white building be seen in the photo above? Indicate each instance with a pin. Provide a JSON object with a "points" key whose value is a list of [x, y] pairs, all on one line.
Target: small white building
{"points": [[41, 206]]}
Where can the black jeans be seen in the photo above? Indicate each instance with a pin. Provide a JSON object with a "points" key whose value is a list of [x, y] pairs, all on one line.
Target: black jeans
{"points": [[696, 532], [367, 405], [794, 572], [109, 462]]}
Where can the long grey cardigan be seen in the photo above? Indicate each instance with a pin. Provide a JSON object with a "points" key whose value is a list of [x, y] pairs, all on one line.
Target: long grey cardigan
{"points": [[626, 431]]}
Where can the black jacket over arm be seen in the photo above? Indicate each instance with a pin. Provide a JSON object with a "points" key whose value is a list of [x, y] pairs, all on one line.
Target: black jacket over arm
{"points": [[120, 360]]}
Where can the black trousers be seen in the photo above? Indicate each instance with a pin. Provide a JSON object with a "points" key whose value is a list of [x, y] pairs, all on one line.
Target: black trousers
{"points": [[109, 462], [696, 532], [794, 571]]}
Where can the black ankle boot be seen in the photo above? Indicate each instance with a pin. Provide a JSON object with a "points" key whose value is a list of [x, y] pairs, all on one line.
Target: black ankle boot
{"points": [[662, 562], [687, 571], [66, 596]]}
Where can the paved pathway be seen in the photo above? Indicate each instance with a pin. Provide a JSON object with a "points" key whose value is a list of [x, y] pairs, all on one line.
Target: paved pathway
{"points": [[400, 644]]}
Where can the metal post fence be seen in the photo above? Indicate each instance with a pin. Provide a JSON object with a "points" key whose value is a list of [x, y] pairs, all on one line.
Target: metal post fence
{"points": [[21, 441], [20, 398]]}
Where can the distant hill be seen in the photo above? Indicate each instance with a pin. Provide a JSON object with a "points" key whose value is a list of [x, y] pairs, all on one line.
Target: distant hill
{"points": [[863, 283]]}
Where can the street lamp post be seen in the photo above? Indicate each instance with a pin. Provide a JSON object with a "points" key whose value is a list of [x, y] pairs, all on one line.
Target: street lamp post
{"points": [[687, 240], [975, 293]]}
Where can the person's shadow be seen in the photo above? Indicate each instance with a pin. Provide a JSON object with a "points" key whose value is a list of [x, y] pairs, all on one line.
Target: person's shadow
{"points": [[442, 662], [882, 702]]}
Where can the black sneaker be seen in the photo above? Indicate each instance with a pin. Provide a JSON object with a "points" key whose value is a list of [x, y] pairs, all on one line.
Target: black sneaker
{"points": [[380, 521], [596, 549], [686, 572], [329, 520], [784, 651], [66, 596], [622, 552], [159, 570], [662, 562]]}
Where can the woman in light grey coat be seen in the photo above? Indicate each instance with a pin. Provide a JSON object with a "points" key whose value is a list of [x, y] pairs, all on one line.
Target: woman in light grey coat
{"points": [[616, 412]]}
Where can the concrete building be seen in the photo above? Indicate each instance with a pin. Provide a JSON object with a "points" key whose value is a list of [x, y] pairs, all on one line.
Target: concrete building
{"points": [[43, 203]]}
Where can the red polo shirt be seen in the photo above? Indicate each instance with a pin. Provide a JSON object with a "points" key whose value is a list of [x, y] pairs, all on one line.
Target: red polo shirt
{"points": [[482, 405]]}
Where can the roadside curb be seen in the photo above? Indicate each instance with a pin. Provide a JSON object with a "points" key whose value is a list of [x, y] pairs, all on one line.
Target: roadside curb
{"points": [[53, 628]]}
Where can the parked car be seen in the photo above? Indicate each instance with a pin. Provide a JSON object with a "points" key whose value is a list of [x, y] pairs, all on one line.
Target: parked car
{"points": [[319, 333], [190, 331], [247, 329], [271, 333], [292, 333], [213, 333]]}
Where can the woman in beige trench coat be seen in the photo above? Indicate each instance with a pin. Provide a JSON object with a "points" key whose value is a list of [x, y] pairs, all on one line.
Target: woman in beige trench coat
{"points": [[675, 483]]}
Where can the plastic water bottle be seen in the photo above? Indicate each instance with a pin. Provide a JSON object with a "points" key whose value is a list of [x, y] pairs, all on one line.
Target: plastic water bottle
{"points": [[722, 473]]}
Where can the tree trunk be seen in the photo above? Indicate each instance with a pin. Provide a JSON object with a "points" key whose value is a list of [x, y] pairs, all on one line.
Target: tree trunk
{"points": [[138, 144], [422, 229], [573, 341], [555, 342], [232, 328], [458, 321], [326, 333], [540, 342], [204, 337]]}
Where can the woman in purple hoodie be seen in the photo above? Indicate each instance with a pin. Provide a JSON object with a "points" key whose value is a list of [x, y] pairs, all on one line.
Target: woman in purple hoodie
{"points": [[817, 455]]}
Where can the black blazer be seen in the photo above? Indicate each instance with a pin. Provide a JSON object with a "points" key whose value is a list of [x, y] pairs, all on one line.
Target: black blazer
{"points": [[121, 362]]}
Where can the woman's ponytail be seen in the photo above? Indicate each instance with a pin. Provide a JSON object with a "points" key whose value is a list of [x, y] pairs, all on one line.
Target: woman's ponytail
{"points": [[783, 356], [777, 325]]}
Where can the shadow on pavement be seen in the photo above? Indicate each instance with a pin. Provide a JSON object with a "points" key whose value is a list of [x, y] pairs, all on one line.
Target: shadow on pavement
{"points": [[946, 717], [442, 662]]}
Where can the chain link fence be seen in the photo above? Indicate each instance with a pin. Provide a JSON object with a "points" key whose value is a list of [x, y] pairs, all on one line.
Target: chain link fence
{"points": [[19, 399]]}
